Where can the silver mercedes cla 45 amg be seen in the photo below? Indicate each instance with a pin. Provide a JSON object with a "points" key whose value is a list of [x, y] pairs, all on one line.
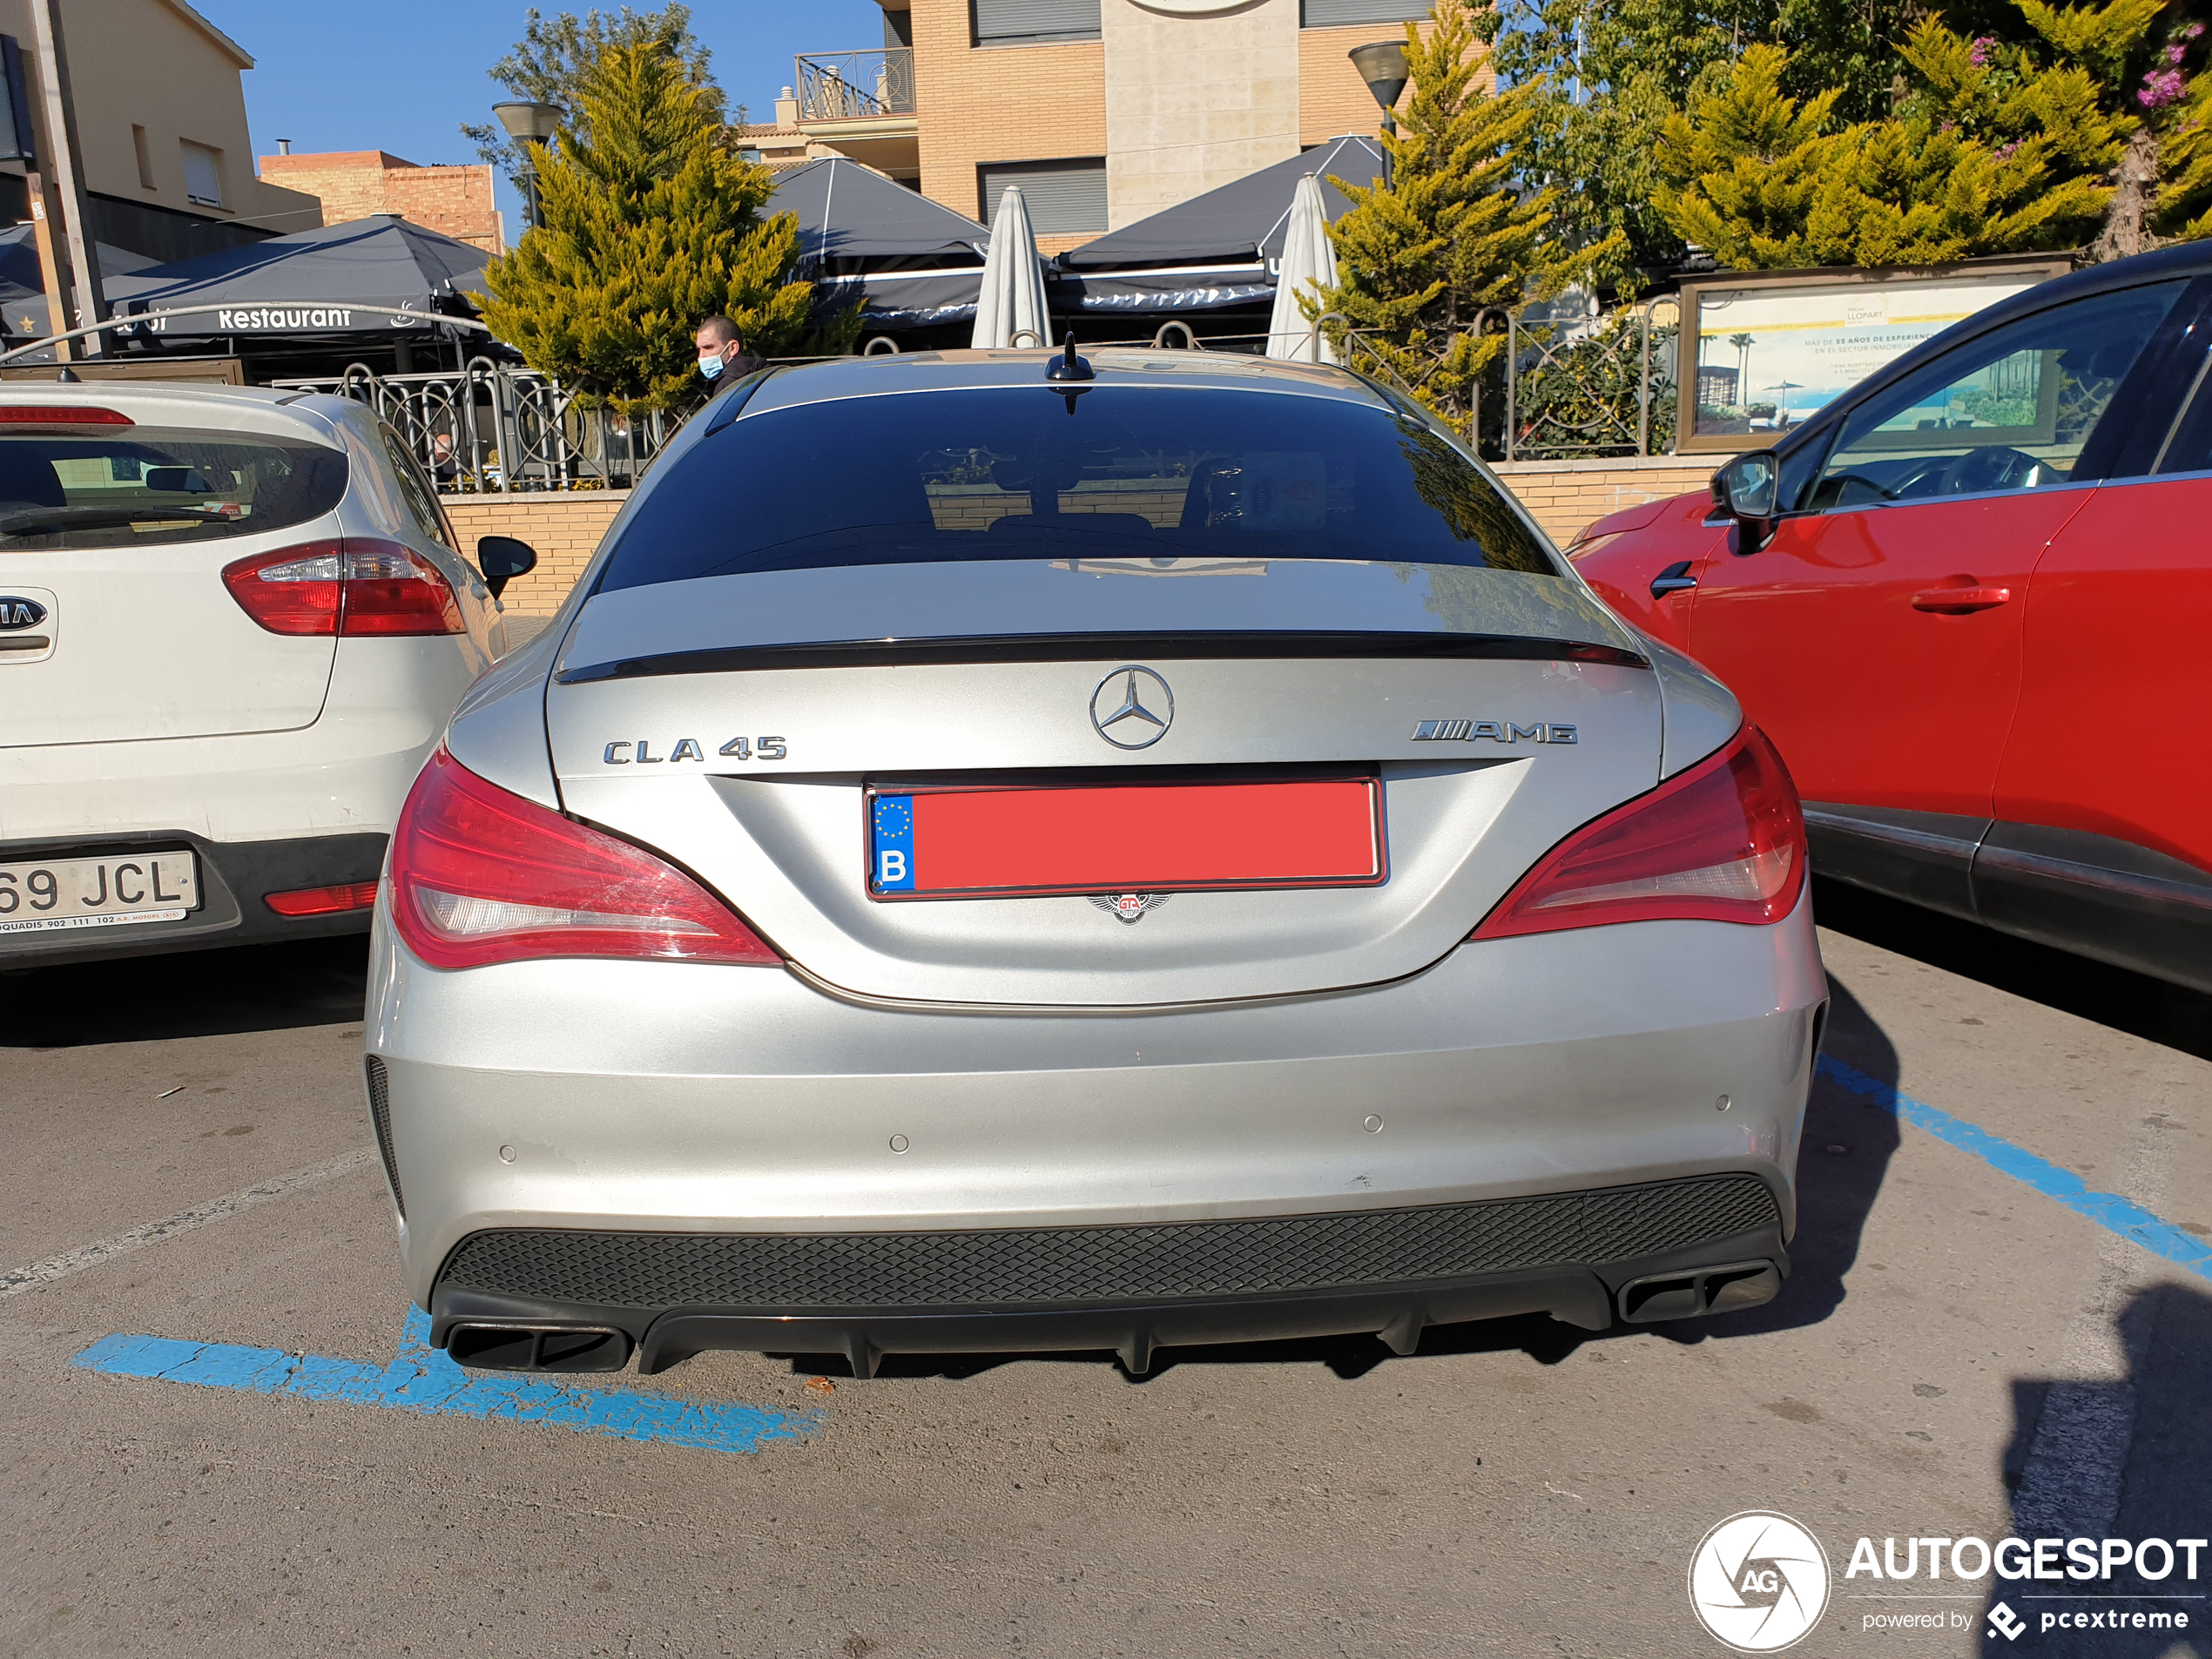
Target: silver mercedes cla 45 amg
{"points": [[1005, 852]]}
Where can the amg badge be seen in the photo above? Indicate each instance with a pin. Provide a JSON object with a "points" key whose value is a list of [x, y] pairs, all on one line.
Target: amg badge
{"points": [[1128, 907], [1495, 730]]}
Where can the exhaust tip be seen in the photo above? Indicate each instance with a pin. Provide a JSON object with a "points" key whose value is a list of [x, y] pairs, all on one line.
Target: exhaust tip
{"points": [[508, 1345], [1709, 1290]]}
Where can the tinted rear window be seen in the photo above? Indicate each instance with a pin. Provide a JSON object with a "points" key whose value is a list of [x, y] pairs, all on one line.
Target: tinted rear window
{"points": [[139, 485], [1132, 472]]}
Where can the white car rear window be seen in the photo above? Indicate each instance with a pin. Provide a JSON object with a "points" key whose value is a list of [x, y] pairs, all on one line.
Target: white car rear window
{"points": [[131, 486]]}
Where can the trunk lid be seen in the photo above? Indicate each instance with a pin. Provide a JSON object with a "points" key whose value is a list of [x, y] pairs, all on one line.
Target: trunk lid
{"points": [[135, 634], [1499, 709]]}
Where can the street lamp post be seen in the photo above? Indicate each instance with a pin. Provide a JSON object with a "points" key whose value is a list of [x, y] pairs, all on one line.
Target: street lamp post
{"points": [[526, 123], [1381, 63]]}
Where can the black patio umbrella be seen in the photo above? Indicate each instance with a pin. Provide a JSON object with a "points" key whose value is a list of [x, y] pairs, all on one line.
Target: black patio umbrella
{"points": [[306, 286], [1214, 250], [863, 236]]}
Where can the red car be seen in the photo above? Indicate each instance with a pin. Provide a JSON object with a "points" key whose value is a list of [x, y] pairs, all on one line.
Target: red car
{"points": [[1965, 601]]}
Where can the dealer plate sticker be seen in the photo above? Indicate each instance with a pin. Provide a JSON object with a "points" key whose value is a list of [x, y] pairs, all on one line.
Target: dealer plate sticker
{"points": [[52, 894]]}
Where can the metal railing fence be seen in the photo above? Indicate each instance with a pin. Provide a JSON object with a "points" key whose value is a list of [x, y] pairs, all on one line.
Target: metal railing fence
{"points": [[855, 85], [493, 427]]}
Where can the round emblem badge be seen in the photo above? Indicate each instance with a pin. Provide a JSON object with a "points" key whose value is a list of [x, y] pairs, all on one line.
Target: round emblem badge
{"points": [[1759, 1582]]}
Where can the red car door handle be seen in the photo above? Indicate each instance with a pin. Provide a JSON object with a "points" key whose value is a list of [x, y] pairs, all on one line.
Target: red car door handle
{"points": [[1958, 600]]}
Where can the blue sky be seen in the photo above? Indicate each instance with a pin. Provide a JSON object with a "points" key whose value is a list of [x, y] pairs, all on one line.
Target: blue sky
{"points": [[403, 77]]}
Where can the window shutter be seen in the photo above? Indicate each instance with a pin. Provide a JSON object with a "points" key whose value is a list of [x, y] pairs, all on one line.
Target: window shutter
{"points": [[1064, 198], [1336, 14], [203, 178], [1028, 22]]}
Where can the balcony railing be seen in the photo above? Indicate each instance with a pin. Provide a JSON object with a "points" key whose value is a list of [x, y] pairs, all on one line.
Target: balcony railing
{"points": [[856, 85]]}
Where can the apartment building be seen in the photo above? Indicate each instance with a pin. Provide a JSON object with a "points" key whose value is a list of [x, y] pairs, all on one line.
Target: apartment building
{"points": [[1104, 111], [455, 201], [160, 117]]}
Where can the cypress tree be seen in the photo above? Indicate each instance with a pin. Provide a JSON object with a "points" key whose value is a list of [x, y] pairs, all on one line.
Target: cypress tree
{"points": [[1455, 233], [648, 223], [1995, 147]]}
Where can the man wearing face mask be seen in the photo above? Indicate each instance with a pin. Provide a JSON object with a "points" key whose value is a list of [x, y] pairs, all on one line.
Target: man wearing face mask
{"points": [[722, 350]]}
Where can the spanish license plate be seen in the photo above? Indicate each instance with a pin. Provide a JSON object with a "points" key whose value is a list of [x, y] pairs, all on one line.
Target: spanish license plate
{"points": [[49, 895], [955, 842]]}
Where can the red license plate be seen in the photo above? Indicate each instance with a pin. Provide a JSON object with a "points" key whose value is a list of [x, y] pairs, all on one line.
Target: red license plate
{"points": [[1161, 837]]}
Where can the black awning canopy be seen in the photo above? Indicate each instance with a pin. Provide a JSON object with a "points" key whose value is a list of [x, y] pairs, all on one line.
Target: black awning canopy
{"points": [[23, 284], [864, 236], [1241, 222], [310, 283]]}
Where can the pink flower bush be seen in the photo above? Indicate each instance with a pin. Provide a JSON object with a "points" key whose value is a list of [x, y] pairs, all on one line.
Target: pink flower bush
{"points": [[2159, 87]]}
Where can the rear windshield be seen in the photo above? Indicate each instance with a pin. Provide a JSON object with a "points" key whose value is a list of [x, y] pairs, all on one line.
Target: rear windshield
{"points": [[1130, 472], [138, 485]]}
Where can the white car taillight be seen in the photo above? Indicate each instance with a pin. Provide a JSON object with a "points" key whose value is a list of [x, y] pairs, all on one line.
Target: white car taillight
{"points": [[354, 588]]}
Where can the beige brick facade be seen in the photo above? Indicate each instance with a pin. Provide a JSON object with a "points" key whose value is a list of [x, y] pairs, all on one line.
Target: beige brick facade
{"points": [[1001, 104], [1175, 103], [354, 183], [1331, 99], [565, 529]]}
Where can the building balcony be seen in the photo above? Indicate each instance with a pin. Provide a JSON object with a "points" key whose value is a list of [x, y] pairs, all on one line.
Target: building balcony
{"points": [[870, 89]]}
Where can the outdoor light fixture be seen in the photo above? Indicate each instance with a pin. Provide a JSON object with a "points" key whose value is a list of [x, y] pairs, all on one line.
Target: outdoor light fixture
{"points": [[541, 121], [1381, 63], [526, 123]]}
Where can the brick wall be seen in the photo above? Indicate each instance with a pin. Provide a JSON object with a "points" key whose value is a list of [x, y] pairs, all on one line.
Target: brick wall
{"points": [[565, 529], [354, 183], [1001, 104], [1331, 99], [1565, 495]]}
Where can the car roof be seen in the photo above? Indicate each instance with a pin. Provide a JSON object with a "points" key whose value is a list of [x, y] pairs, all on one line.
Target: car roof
{"points": [[239, 409], [2183, 261], [891, 373]]}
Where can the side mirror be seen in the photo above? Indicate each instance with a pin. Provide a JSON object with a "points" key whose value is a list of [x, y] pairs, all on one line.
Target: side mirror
{"points": [[502, 558], [1747, 489]]}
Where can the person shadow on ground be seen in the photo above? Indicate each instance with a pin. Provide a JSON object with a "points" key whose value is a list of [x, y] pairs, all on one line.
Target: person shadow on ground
{"points": [[2125, 1459]]}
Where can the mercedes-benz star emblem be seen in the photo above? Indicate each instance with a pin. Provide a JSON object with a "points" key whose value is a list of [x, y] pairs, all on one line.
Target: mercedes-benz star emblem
{"points": [[1132, 707]]}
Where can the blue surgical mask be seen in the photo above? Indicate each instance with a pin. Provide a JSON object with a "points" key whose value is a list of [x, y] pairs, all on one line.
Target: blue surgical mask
{"points": [[711, 366]]}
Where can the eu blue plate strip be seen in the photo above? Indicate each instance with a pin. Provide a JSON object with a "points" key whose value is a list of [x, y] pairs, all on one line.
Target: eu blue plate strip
{"points": [[423, 1380], [2108, 1210]]}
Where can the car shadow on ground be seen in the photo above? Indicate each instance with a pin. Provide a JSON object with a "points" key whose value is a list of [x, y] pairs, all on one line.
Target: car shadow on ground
{"points": [[186, 994], [2142, 1006], [2127, 1459]]}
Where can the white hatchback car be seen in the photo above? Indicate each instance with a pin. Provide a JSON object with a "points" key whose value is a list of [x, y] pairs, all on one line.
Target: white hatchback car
{"points": [[232, 625]]}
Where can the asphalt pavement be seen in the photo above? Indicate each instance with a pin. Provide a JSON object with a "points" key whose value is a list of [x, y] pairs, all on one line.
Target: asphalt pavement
{"points": [[1999, 1324]]}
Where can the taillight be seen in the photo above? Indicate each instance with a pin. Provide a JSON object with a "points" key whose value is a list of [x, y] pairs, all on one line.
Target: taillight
{"points": [[1724, 841], [480, 875], [353, 587]]}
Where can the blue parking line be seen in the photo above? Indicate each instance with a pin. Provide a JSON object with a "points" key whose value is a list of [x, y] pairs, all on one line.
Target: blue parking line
{"points": [[421, 1379], [2108, 1210]]}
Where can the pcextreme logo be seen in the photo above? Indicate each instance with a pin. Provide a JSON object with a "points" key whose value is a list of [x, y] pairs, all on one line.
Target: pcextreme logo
{"points": [[1758, 1582]]}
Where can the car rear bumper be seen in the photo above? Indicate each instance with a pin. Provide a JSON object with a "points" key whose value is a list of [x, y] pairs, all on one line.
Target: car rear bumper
{"points": [[1663, 1251], [585, 1098], [235, 877]]}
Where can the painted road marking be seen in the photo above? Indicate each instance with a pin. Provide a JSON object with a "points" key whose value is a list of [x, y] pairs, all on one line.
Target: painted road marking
{"points": [[2108, 1210], [421, 1379], [76, 1261]]}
